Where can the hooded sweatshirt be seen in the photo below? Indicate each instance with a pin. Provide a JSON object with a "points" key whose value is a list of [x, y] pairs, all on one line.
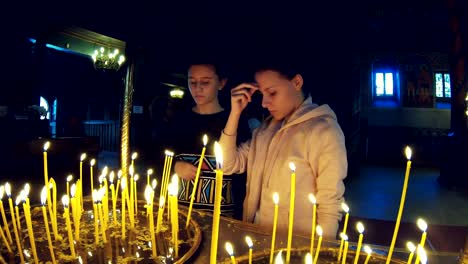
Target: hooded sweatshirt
{"points": [[310, 138]]}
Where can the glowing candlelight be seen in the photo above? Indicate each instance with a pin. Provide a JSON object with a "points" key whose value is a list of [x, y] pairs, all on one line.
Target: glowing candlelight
{"points": [[134, 157], [124, 190], [2, 210], [308, 258], [46, 172], [422, 254], [230, 251], [76, 209], [217, 202], [314, 213], [249, 242], [345, 208], [195, 183], [345, 250], [80, 198], [27, 216], [279, 258], [402, 204], [69, 179], [44, 215], [131, 204], [360, 228], [411, 247], [368, 250], [65, 202], [149, 203], [275, 222], [13, 220], [291, 210], [148, 176], [422, 225], [17, 202], [91, 165]]}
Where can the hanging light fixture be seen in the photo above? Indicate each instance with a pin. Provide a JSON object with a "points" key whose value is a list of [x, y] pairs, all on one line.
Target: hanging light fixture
{"points": [[107, 60]]}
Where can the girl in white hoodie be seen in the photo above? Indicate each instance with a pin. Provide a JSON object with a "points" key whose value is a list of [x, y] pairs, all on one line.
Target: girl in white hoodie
{"points": [[296, 131]]}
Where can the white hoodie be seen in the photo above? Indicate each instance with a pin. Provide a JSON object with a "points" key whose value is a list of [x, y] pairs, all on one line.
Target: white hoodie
{"points": [[313, 140]]}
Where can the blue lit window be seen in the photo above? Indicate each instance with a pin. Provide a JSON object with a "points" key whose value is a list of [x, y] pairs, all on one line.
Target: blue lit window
{"points": [[442, 84], [384, 84]]}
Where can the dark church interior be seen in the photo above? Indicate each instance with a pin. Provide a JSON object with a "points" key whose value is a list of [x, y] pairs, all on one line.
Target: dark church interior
{"points": [[393, 71]]}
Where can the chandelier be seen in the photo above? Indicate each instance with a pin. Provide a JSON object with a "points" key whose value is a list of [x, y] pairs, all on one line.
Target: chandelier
{"points": [[107, 60]]}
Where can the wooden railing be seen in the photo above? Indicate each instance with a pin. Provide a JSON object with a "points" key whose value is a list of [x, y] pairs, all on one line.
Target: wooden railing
{"points": [[108, 132]]}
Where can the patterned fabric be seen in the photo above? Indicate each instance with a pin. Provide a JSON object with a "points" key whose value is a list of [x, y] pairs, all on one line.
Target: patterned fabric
{"points": [[204, 195]]}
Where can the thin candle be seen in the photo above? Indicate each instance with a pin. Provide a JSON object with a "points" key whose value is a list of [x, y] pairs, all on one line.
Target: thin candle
{"points": [[249, 242], [345, 250], [368, 250], [175, 213], [114, 199], [345, 208], [69, 179], [360, 228], [46, 171], [217, 202], [53, 208], [75, 207], [422, 254], [411, 247], [422, 225], [65, 202], [319, 243], [134, 157], [91, 171], [160, 213], [2, 210], [275, 222], [230, 251], [27, 216], [131, 197], [124, 189], [279, 258], [314, 215], [95, 216], [195, 183], [135, 178], [13, 220], [402, 204], [18, 221], [291, 210]]}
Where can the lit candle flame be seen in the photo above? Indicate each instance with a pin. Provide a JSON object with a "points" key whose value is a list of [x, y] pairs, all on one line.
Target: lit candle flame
{"points": [[92, 162], [168, 153], [276, 198], [119, 174], [162, 200], [360, 227], [408, 152], [422, 225], [148, 191], [422, 254], [8, 189], [134, 155], [308, 258], [136, 177], [123, 184], [111, 177], [292, 166], [411, 247], [105, 170], [319, 230], [83, 157], [46, 146], [26, 189], [149, 171], [312, 198], [219, 154], [131, 170], [73, 190], [19, 198], [154, 183], [69, 178], [345, 207], [344, 236], [367, 249], [44, 195], [249, 242], [279, 258], [65, 200], [95, 196], [229, 249], [205, 140]]}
